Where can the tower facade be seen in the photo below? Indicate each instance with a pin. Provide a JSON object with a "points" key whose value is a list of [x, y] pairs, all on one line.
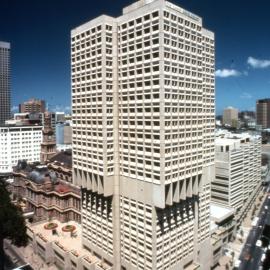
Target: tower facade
{"points": [[143, 136], [48, 145], [4, 81]]}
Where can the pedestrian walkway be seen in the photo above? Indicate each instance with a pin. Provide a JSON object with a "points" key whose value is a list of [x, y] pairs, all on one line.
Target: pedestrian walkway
{"points": [[239, 243], [235, 248]]}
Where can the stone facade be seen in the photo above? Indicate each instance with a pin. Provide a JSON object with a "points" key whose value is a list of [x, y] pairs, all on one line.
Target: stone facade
{"points": [[47, 190]]}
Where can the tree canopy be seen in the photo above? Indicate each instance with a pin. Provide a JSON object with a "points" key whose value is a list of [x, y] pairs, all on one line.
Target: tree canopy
{"points": [[12, 223]]}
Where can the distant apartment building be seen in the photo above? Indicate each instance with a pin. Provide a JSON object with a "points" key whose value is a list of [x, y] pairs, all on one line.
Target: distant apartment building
{"points": [[63, 133], [19, 143], [238, 171], [32, 106], [263, 112], [59, 117], [143, 136], [230, 117], [4, 82], [67, 134]]}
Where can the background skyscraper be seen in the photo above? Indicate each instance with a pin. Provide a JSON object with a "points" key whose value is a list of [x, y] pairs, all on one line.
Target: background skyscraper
{"points": [[263, 112], [230, 117], [32, 106], [4, 81], [143, 136]]}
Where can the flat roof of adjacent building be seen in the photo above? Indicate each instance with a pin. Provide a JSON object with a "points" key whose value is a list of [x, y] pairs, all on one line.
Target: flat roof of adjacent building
{"points": [[64, 240], [223, 137], [218, 213]]}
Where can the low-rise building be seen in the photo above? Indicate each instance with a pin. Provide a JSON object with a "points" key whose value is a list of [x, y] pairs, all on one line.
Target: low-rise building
{"points": [[61, 244], [222, 229]]}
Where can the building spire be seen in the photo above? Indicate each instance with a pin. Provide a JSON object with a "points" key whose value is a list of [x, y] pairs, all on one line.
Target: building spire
{"points": [[48, 145]]}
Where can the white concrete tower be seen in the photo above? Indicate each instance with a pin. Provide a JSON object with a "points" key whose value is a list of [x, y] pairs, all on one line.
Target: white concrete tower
{"points": [[143, 136]]}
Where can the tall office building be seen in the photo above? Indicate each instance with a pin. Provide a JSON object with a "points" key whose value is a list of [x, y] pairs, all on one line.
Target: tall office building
{"points": [[143, 136], [230, 117], [263, 112], [4, 81]]}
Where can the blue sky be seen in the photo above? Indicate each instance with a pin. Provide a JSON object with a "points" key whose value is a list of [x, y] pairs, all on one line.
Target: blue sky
{"points": [[39, 34]]}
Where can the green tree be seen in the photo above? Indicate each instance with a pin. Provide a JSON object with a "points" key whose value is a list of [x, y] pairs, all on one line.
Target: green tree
{"points": [[12, 223]]}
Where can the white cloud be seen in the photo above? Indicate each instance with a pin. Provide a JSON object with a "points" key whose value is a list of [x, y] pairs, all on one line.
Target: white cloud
{"points": [[59, 108], [258, 63], [246, 95], [225, 73], [14, 108]]}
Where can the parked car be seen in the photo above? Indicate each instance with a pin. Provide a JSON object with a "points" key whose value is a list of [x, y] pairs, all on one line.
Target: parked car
{"points": [[237, 263], [259, 243]]}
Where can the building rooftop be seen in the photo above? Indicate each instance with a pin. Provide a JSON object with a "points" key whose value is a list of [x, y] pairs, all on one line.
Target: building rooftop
{"points": [[63, 157], [263, 100], [66, 241], [43, 177], [63, 239], [218, 213], [20, 125], [228, 138]]}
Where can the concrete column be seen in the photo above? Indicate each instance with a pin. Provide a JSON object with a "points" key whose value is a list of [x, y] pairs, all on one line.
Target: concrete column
{"points": [[116, 183]]}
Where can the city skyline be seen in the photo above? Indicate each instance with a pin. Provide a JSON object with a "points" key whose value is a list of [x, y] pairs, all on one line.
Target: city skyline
{"points": [[146, 173], [40, 57]]}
